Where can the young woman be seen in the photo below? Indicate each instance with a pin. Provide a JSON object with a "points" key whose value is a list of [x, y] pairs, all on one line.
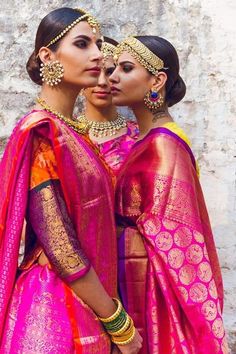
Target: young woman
{"points": [[52, 178], [110, 132], [169, 274]]}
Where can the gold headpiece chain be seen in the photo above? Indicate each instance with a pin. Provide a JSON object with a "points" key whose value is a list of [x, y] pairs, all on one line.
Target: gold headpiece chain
{"points": [[141, 53], [92, 21], [108, 50]]}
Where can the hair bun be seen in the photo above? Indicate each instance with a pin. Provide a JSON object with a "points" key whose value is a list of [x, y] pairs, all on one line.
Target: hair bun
{"points": [[33, 69], [176, 92]]}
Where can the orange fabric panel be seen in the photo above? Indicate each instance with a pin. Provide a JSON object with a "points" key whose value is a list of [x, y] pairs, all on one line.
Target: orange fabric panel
{"points": [[43, 165]]}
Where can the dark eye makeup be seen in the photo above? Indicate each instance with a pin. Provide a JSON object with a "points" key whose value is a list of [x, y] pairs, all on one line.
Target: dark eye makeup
{"points": [[109, 71]]}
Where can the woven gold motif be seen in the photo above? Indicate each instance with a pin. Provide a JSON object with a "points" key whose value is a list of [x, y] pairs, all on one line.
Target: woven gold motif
{"points": [[141, 53]]}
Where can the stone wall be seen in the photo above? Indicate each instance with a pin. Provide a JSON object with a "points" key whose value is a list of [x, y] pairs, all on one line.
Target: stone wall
{"points": [[204, 32]]}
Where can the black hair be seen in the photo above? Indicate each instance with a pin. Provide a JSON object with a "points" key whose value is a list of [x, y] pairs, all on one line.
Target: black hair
{"points": [[110, 40], [50, 27]]}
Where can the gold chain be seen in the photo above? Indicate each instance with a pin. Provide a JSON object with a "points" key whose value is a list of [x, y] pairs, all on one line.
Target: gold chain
{"points": [[102, 129], [79, 127]]}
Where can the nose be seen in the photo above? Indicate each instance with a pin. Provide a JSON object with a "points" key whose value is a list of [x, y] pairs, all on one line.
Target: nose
{"points": [[114, 77], [96, 54], [102, 80]]}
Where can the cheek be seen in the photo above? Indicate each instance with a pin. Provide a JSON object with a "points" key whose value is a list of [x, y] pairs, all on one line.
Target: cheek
{"points": [[135, 89]]}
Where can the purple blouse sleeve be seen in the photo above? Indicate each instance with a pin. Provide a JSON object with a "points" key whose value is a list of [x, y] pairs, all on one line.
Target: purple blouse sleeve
{"points": [[53, 227]]}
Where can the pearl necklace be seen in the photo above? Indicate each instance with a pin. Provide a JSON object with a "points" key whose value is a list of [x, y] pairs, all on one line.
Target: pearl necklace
{"points": [[102, 129], [79, 127]]}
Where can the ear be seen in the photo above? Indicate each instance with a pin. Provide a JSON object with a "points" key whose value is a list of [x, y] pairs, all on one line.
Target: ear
{"points": [[159, 80], [46, 55]]}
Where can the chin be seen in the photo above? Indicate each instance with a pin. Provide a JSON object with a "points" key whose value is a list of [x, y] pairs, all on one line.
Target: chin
{"points": [[119, 102], [102, 104], [89, 82]]}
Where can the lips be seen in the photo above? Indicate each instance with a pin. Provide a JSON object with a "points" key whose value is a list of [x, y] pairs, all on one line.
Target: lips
{"points": [[95, 69], [102, 92], [114, 89]]}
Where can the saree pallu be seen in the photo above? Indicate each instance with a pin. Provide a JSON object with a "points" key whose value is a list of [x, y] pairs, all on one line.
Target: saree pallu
{"points": [[88, 192], [169, 275]]}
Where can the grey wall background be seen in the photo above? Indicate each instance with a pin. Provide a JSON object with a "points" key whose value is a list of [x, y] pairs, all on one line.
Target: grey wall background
{"points": [[203, 32]]}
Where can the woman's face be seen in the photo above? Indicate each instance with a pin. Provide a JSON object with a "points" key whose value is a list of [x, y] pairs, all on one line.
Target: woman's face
{"points": [[100, 95], [130, 81], [79, 53]]}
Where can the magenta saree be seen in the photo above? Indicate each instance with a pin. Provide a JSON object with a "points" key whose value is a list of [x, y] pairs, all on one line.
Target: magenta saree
{"points": [[116, 150], [169, 275], [38, 311]]}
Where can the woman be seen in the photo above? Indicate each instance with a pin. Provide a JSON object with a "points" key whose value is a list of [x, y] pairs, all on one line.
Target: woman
{"points": [[110, 132], [169, 274], [52, 178]]}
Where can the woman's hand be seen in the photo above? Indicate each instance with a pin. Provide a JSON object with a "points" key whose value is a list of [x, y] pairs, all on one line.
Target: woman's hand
{"points": [[134, 346]]}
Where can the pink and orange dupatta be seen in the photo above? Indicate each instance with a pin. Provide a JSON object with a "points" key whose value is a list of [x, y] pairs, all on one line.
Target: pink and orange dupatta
{"points": [[169, 274], [88, 193]]}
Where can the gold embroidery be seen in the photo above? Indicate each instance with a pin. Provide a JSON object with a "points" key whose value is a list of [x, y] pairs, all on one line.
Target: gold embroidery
{"points": [[183, 237], [187, 274], [194, 254], [212, 289], [209, 310], [198, 292], [198, 236], [53, 227], [217, 328], [164, 241], [176, 258], [204, 272]]}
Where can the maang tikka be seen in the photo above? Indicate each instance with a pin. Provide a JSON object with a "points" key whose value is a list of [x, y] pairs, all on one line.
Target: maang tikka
{"points": [[52, 72], [153, 100]]}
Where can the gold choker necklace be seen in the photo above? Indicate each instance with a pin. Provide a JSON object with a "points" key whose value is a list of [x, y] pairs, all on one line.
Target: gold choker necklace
{"points": [[102, 129], [79, 127]]}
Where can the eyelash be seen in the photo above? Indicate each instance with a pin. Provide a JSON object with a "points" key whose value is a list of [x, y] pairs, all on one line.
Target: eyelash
{"points": [[81, 44], [109, 71], [127, 68]]}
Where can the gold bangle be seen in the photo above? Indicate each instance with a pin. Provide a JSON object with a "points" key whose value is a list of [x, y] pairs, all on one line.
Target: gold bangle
{"points": [[128, 323], [115, 315], [129, 340]]}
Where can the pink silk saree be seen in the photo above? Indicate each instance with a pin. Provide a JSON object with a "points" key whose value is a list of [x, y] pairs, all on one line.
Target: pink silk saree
{"points": [[116, 150], [38, 312], [169, 275]]}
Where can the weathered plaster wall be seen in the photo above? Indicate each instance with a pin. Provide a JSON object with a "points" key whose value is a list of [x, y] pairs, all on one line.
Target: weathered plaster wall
{"points": [[204, 32]]}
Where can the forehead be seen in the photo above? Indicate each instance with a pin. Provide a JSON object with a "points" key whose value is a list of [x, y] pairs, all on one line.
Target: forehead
{"points": [[108, 61], [83, 29], [126, 56]]}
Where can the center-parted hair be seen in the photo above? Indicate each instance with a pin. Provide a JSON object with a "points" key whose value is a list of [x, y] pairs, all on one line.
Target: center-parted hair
{"points": [[50, 26], [175, 86]]}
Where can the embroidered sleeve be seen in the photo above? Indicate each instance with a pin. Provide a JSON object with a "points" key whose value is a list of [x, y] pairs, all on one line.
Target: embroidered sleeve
{"points": [[48, 216]]}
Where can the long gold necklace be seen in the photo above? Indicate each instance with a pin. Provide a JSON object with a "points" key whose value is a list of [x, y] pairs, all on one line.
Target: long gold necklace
{"points": [[79, 127], [102, 129]]}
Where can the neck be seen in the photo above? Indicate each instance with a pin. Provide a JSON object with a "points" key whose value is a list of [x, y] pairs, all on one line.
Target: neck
{"points": [[60, 100], [99, 114], [148, 120]]}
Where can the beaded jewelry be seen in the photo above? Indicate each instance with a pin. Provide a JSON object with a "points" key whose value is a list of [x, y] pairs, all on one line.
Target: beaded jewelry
{"points": [[77, 126], [141, 53]]}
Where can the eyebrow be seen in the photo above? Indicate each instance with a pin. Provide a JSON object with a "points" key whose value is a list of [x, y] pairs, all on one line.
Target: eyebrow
{"points": [[87, 38], [83, 37], [125, 62]]}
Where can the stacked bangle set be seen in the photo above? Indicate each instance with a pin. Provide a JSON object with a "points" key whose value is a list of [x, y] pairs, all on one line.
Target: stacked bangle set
{"points": [[120, 326]]}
